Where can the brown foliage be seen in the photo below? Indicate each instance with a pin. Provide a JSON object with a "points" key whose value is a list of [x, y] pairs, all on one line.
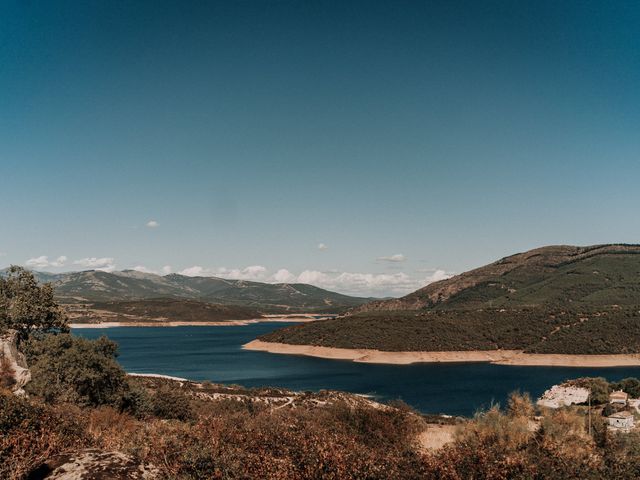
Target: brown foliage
{"points": [[7, 374], [31, 433], [230, 439]]}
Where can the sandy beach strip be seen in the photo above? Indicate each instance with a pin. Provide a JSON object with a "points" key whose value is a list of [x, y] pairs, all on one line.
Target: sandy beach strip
{"points": [[157, 375], [224, 323], [561, 360], [498, 357]]}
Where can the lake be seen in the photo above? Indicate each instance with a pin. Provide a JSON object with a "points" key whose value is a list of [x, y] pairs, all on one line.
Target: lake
{"points": [[214, 353]]}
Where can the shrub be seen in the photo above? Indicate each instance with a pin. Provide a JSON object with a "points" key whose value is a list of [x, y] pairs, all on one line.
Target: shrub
{"points": [[30, 434], [65, 368], [171, 404], [520, 405], [628, 385]]}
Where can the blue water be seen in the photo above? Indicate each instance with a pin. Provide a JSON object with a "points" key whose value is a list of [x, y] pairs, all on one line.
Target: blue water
{"points": [[214, 353]]}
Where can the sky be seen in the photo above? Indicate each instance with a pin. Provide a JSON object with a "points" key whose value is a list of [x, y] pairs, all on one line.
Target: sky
{"points": [[362, 146]]}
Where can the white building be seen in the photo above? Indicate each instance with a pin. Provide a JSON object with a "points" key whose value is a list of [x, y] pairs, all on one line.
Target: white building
{"points": [[618, 397], [621, 420]]}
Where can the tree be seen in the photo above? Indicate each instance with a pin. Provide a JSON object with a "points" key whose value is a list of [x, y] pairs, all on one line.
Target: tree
{"points": [[65, 368], [27, 306], [629, 385]]}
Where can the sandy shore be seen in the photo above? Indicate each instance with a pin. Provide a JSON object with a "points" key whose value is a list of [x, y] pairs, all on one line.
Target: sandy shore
{"points": [[225, 323], [498, 357], [157, 375]]}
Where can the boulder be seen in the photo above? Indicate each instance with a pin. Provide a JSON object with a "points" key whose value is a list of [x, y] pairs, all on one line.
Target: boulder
{"points": [[94, 464], [17, 362]]}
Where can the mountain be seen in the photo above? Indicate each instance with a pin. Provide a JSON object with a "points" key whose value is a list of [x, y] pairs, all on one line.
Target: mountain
{"points": [[98, 286], [552, 276], [556, 299]]}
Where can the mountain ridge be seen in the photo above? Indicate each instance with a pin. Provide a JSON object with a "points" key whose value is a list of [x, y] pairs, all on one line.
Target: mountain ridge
{"points": [[91, 286], [545, 258], [555, 300]]}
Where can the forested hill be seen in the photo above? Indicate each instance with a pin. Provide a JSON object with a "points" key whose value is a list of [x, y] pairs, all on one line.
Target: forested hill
{"points": [[558, 299], [551, 276]]}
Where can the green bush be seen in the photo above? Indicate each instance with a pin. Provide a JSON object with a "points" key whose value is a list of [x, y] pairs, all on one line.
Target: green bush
{"points": [[167, 402], [65, 368], [608, 410], [628, 385], [172, 404]]}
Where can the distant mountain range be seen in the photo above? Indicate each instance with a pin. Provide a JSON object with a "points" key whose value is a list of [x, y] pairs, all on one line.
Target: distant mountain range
{"points": [[556, 299], [96, 286]]}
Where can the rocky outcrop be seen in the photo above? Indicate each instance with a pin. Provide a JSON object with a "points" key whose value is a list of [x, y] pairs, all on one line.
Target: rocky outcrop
{"points": [[14, 360], [95, 465]]}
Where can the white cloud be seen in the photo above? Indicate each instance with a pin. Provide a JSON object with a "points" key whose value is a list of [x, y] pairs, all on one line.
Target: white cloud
{"points": [[60, 261], [283, 276], [256, 273], [166, 270], [322, 246], [350, 283], [153, 224], [366, 284], [44, 262], [398, 257], [370, 284], [106, 264], [196, 271], [438, 275], [143, 269]]}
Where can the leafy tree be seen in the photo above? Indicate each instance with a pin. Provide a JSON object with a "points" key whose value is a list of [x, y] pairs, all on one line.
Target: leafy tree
{"points": [[27, 306], [65, 368], [629, 385]]}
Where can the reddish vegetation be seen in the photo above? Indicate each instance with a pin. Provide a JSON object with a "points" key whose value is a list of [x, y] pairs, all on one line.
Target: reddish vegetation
{"points": [[236, 438]]}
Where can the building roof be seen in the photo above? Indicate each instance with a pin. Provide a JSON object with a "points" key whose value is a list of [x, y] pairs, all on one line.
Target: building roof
{"points": [[622, 415], [618, 394]]}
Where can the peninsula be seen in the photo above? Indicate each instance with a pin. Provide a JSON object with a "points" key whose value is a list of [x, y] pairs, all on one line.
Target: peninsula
{"points": [[557, 305]]}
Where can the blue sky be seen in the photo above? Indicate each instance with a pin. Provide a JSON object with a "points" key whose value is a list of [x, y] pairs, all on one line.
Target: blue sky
{"points": [[410, 139]]}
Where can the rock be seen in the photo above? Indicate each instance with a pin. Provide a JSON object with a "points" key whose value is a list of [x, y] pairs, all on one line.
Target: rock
{"points": [[95, 465], [562, 396], [17, 361]]}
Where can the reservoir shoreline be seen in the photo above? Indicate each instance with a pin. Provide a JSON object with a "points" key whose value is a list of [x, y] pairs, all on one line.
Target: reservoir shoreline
{"points": [[496, 357], [221, 323]]}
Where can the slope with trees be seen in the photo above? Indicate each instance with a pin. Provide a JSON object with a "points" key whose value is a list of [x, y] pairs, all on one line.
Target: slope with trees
{"points": [[561, 299]]}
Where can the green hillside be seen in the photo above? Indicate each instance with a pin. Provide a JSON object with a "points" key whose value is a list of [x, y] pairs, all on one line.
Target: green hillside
{"points": [[94, 286], [557, 299]]}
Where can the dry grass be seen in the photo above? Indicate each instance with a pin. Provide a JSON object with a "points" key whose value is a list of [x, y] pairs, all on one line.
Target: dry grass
{"points": [[7, 373]]}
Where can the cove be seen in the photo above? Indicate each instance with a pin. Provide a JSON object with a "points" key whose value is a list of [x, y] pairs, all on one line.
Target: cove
{"points": [[214, 353]]}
